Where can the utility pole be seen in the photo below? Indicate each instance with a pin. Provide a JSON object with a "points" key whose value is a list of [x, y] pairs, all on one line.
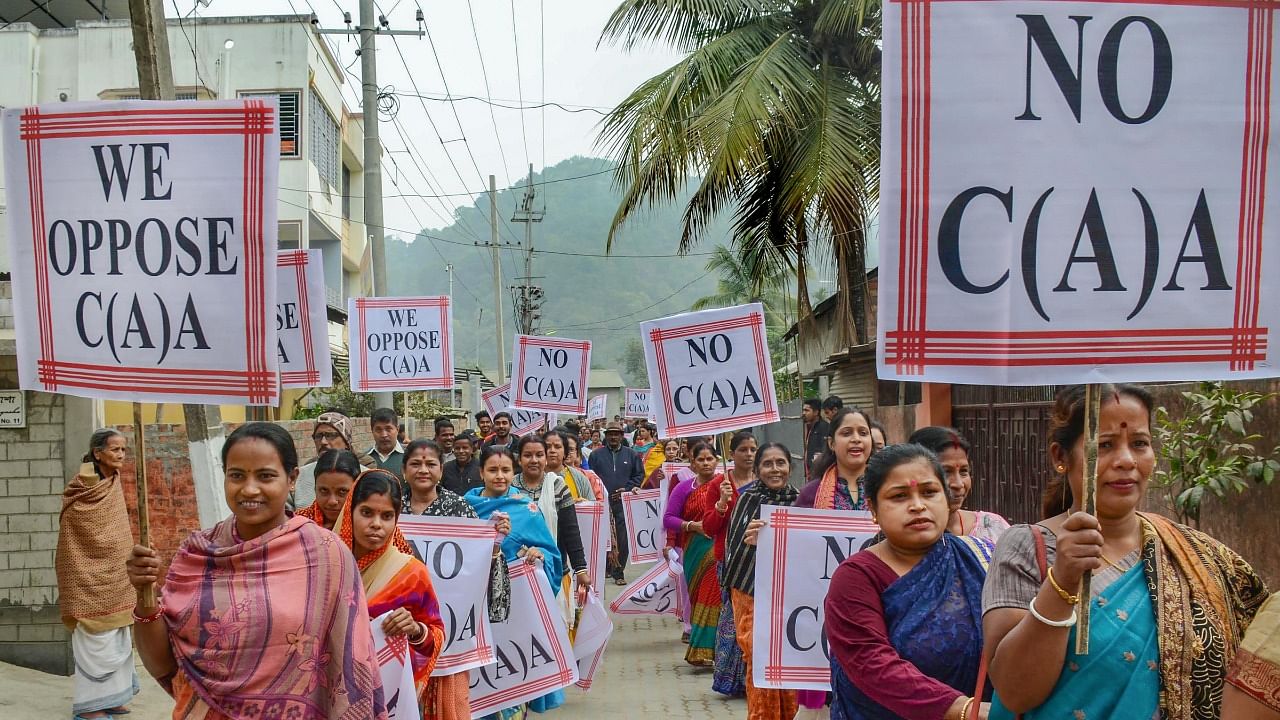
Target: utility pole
{"points": [[497, 278], [372, 25], [530, 295]]}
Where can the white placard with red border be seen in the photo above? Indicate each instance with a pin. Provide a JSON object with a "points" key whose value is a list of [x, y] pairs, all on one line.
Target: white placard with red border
{"points": [[398, 689], [523, 422], [533, 656], [642, 511], [458, 553], [1101, 221], [711, 371], [589, 641], [798, 550], [142, 249], [638, 404], [302, 320], [549, 374], [597, 407], [401, 343], [593, 524], [657, 592]]}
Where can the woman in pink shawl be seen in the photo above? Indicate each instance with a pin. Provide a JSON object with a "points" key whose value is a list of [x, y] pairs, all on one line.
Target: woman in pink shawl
{"points": [[263, 615]]}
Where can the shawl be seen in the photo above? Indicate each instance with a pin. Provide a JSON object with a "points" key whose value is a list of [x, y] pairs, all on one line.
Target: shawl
{"points": [[1205, 595], [740, 558], [546, 501], [346, 530], [826, 496], [528, 529], [94, 541], [275, 626], [1256, 670], [579, 484], [653, 459]]}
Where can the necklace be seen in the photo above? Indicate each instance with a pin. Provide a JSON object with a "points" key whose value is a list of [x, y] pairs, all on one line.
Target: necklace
{"points": [[1107, 560], [960, 515]]}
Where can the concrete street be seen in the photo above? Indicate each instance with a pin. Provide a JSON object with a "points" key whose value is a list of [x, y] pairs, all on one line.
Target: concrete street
{"points": [[644, 675]]}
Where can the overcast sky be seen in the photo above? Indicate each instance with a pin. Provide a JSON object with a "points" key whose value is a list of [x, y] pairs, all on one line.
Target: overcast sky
{"points": [[577, 74]]}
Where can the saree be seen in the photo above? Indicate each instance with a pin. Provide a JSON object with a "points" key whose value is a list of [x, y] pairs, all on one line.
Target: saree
{"points": [[1256, 670], [933, 615], [704, 587], [528, 529], [393, 579], [275, 626], [762, 703], [1192, 598]]}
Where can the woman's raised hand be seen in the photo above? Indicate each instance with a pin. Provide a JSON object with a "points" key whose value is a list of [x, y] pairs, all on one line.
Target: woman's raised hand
{"points": [[1079, 550], [143, 567]]}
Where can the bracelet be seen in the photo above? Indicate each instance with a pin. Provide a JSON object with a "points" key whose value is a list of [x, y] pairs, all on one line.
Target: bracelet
{"points": [[1067, 597], [422, 637], [964, 709], [149, 618], [1031, 606]]}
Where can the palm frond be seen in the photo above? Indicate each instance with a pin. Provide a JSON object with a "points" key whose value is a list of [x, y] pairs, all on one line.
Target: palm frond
{"points": [[683, 24]]}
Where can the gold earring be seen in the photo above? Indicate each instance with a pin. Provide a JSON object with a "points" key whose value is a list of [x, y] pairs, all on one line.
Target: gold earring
{"points": [[1062, 469]]}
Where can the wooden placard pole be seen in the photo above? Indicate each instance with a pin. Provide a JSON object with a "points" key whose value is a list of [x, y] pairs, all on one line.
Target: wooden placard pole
{"points": [[140, 472], [1092, 403]]}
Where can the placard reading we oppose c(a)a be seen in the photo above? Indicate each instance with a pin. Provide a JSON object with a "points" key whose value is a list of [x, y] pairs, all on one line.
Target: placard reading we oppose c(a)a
{"points": [[404, 343]]}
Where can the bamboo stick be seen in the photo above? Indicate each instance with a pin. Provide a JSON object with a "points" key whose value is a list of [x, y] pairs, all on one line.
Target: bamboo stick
{"points": [[1092, 402]]}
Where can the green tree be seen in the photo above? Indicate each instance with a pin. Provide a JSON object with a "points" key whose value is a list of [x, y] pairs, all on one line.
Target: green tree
{"points": [[777, 107], [633, 364], [746, 278]]}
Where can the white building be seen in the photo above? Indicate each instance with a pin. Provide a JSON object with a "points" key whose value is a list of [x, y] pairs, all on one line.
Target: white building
{"points": [[321, 140]]}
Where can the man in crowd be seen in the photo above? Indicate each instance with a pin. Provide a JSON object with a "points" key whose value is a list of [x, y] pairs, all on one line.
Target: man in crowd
{"points": [[444, 438], [484, 425], [621, 470], [462, 473], [502, 431], [816, 431], [830, 406], [387, 450]]}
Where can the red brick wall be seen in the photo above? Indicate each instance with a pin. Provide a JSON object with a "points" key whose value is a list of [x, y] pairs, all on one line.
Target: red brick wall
{"points": [[170, 493]]}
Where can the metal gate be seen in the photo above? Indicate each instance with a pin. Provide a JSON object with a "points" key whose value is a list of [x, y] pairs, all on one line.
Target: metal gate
{"points": [[1009, 429]]}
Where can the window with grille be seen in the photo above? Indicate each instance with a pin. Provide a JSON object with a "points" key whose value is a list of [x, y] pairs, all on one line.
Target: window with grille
{"points": [[290, 121], [324, 142]]}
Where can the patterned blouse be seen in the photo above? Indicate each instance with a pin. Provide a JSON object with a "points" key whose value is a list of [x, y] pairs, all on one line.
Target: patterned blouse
{"points": [[451, 504]]}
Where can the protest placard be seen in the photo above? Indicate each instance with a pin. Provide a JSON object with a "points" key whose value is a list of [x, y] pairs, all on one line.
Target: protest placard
{"points": [[594, 630], [302, 321], [550, 374], [593, 524], [657, 592], [531, 648], [142, 246], [1075, 192], [458, 552], [798, 550], [401, 343], [642, 511], [711, 371], [597, 407], [522, 421], [398, 690], [637, 404]]}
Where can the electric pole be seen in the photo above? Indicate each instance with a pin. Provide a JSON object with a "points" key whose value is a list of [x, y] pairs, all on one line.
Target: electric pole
{"points": [[497, 278], [372, 25], [528, 296]]}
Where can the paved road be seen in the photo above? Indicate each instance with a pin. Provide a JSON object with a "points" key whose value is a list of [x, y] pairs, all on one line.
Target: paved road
{"points": [[644, 675]]}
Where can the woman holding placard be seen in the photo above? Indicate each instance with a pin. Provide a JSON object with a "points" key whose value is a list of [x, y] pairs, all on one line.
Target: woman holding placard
{"points": [[448, 697], [263, 615], [397, 584], [904, 617], [335, 472], [556, 504], [837, 475], [1168, 604], [773, 468], [529, 540], [97, 602], [730, 668], [952, 450], [693, 497]]}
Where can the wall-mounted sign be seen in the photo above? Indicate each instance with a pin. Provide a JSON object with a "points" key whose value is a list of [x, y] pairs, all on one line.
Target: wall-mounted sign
{"points": [[13, 409]]}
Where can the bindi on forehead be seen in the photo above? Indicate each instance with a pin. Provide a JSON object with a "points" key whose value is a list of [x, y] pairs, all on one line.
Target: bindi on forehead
{"points": [[1124, 425]]}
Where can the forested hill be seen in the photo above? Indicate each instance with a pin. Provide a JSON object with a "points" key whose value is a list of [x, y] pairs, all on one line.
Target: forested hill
{"points": [[585, 296]]}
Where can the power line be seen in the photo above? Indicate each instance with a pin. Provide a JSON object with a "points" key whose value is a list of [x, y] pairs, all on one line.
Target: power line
{"points": [[601, 323], [515, 40], [471, 194], [484, 73], [514, 104]]}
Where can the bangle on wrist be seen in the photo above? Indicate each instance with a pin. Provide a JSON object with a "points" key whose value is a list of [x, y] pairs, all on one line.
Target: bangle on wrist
{"points": [[964, 709], [422, 635], [1067, 597], [148, 618], [1031, 606]]}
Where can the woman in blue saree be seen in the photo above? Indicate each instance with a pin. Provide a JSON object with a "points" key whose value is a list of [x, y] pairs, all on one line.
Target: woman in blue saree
{"points": [[904, 616], [1168, 604], [530, 539]]}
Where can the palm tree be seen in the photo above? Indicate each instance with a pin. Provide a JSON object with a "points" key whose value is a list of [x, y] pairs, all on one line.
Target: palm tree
{"points": [[777, 108], [742, 279]]}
